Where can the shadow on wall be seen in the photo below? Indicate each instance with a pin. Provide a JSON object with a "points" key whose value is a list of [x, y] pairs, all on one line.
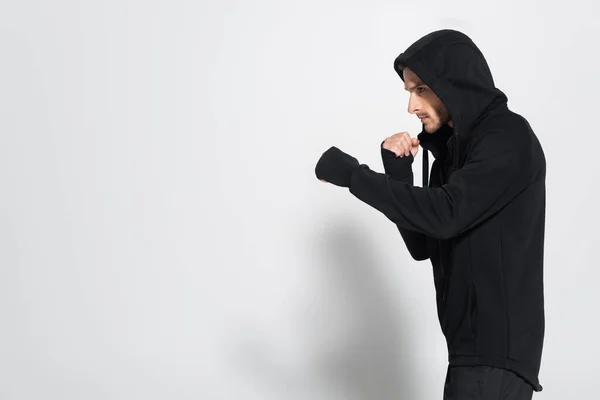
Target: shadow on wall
{"points": [[375, 357], [354, 342]]}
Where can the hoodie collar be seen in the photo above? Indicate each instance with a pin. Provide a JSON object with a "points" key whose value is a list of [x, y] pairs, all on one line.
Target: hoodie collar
{"points": [[437, 143]]}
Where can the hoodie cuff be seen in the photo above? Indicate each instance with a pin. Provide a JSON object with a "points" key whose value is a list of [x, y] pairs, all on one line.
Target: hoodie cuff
{"points": [[399, 168], [336, 167]]}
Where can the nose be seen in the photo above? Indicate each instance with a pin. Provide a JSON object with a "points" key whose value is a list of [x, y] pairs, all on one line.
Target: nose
{"points": [[414, 104]]}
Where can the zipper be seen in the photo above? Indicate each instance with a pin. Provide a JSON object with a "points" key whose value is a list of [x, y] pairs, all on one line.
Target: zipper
{"points": [[442, 266], [455, 152], [443, 180]]}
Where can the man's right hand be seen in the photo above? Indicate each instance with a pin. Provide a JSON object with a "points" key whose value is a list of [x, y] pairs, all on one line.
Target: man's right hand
{"points": [[402, 144]]}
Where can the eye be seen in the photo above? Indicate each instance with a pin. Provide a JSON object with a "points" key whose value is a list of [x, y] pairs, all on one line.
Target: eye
{"points": [[421, 89]]}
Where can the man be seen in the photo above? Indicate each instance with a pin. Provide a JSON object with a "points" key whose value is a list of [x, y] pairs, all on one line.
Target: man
{"points": [[480, 220]]}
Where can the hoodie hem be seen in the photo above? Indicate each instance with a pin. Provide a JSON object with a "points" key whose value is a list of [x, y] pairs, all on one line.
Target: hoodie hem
{"points": [[498, 362]]}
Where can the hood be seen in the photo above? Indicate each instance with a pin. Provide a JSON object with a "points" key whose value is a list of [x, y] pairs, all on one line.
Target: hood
{"points": [[455, 69]]}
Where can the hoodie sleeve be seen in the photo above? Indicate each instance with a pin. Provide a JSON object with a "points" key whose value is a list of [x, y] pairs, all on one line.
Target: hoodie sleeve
{"points": [[400, 170], [501, 166]]}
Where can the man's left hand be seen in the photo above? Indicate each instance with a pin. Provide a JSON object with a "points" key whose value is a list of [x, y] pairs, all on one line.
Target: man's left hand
{"points": [[336, 167]]}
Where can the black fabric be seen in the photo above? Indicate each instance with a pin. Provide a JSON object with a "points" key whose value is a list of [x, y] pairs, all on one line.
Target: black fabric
{"points": [[400, 169], [481, 219], [485, 383], [336, 167], [425, 168]]}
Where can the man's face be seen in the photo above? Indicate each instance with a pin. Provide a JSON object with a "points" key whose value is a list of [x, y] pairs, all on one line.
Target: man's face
{"points": [[424, 103]]}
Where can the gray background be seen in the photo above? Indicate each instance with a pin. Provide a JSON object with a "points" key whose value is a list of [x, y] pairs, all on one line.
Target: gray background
{"points": [[163, 235]]}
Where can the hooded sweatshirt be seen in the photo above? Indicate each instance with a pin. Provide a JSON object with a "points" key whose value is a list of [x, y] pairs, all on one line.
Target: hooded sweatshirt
{"points": [[480, 218]]}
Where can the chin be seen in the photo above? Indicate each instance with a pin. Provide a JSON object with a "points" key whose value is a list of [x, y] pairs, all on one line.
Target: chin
{"points": [[431, 128]]}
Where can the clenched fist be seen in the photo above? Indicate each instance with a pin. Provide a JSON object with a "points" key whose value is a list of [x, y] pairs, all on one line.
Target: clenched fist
{"points": [[402, 144]]}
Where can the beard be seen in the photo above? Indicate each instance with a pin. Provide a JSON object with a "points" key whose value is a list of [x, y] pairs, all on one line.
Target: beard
{"points": [[435, 122]]}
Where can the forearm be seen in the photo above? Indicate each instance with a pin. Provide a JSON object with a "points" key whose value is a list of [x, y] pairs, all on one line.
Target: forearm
{"points": [[400, 170]]}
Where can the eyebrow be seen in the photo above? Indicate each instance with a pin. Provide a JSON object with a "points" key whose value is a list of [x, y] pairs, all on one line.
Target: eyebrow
{"points": [[414, 86]]}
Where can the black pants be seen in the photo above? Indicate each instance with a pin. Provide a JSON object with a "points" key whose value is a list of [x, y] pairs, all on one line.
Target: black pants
{"points": [[485, 383]]}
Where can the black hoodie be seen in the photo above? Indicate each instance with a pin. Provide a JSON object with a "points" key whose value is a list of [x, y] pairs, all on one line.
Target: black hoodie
{"points": [[480, 220]]}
